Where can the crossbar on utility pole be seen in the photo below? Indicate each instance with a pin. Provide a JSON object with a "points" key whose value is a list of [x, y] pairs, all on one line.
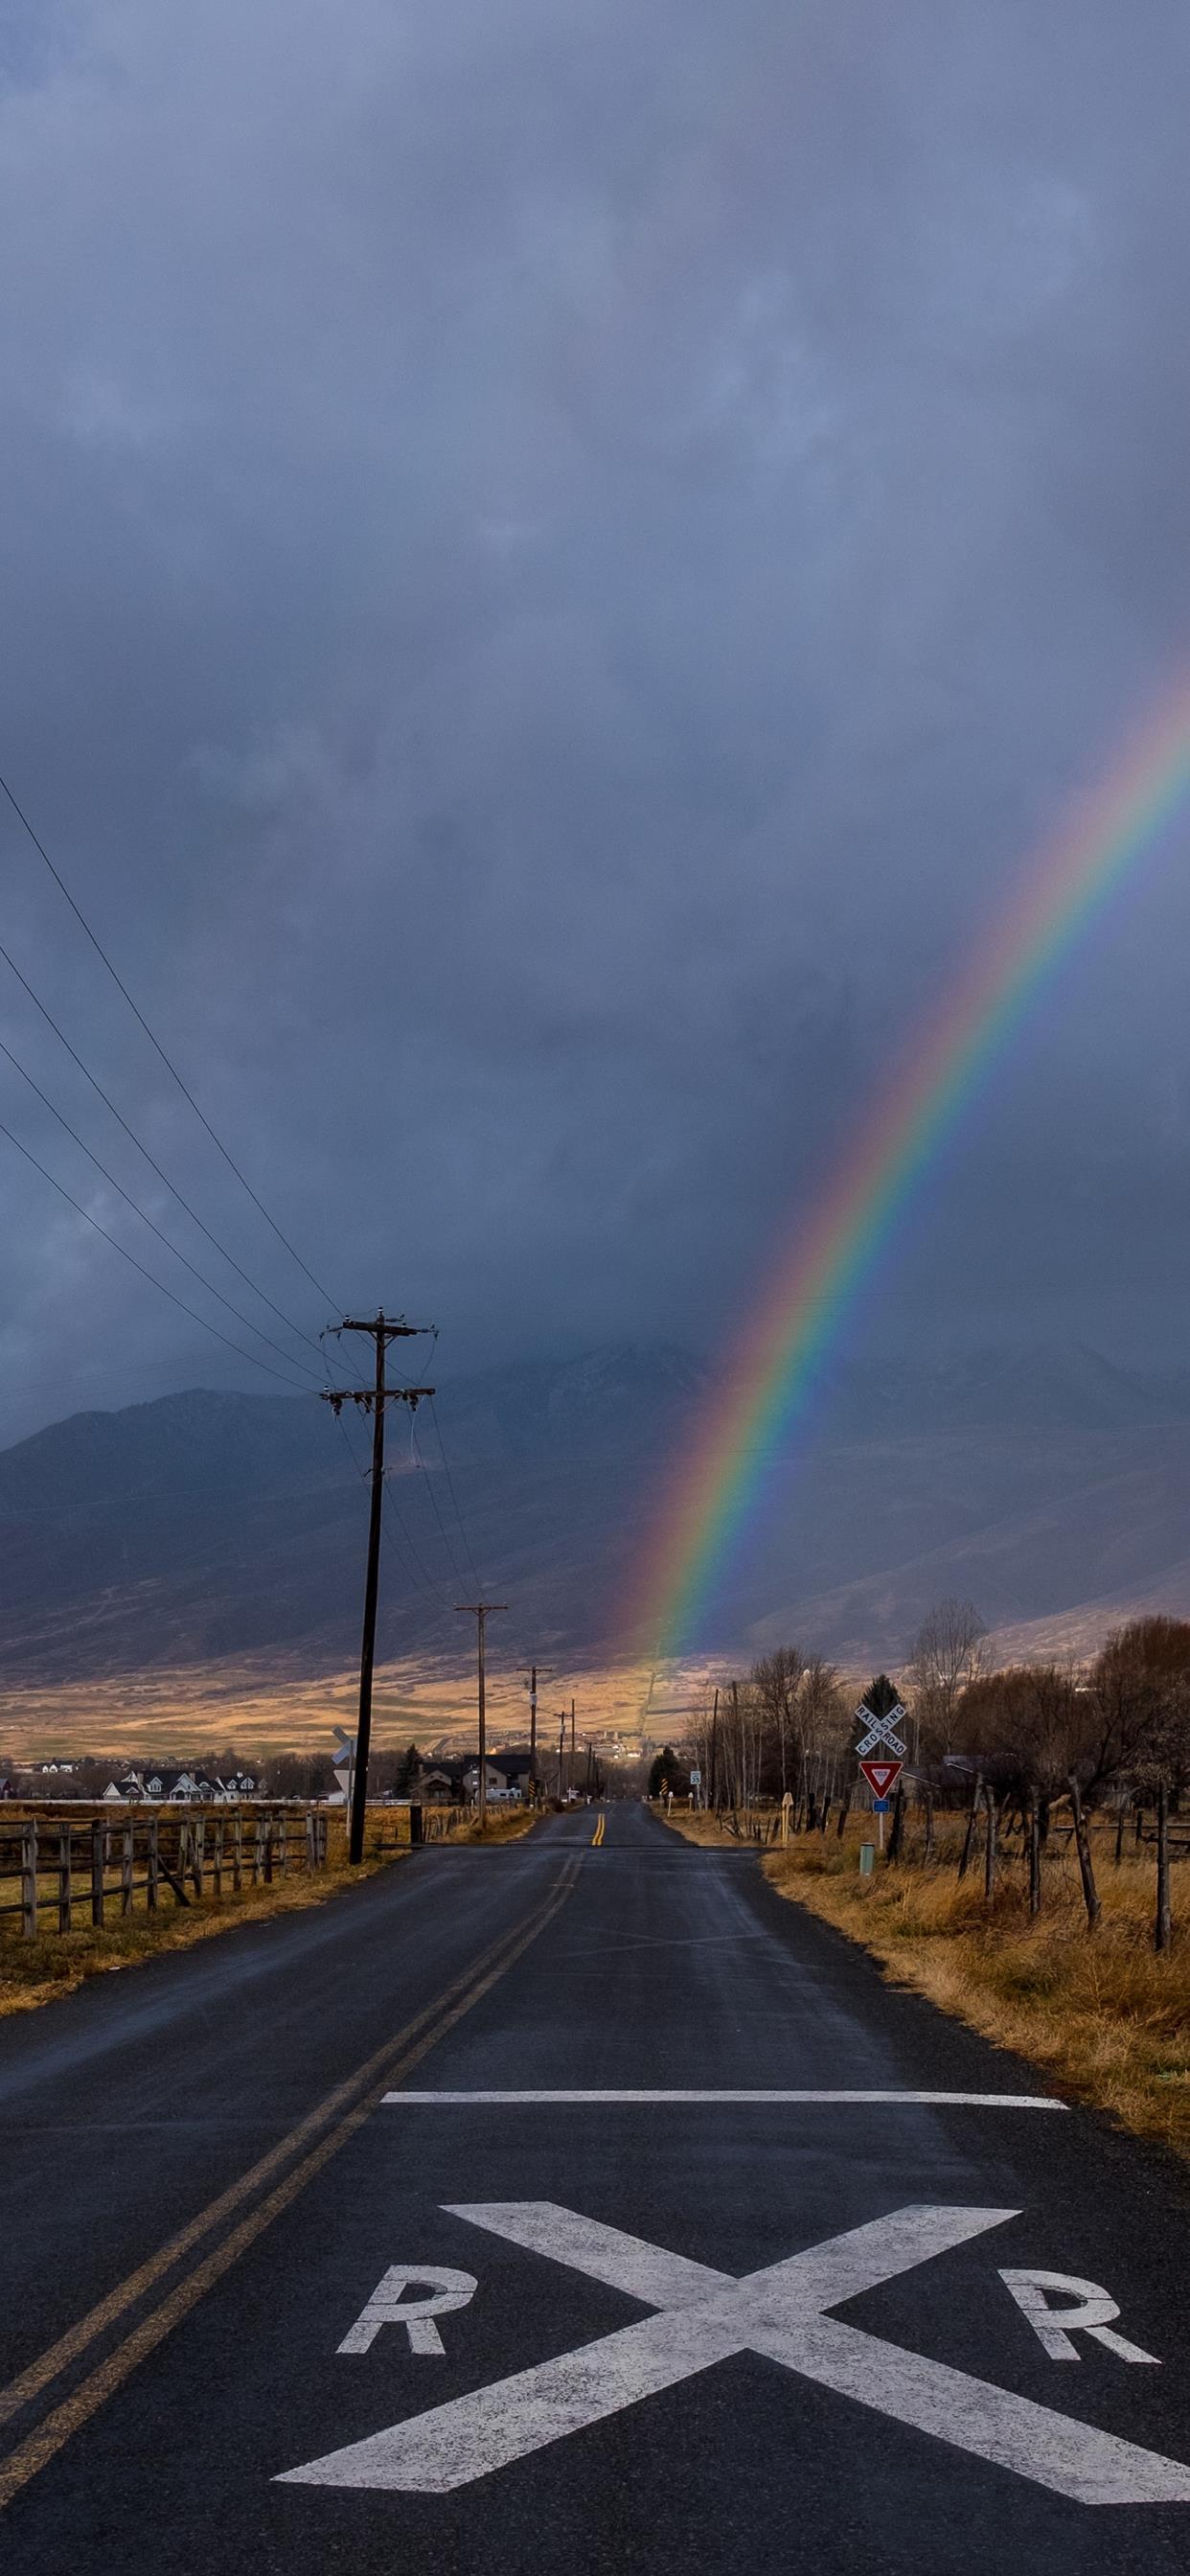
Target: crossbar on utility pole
{"points": [[374, 1399], [478, 1610]]}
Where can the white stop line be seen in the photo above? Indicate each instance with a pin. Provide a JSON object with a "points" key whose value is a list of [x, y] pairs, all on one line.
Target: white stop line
{"points": [[703, 2316]]}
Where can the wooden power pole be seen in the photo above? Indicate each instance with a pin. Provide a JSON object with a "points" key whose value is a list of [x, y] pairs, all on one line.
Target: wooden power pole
{"points": [[478, 1610], [536, 1673], [375, 1399]]}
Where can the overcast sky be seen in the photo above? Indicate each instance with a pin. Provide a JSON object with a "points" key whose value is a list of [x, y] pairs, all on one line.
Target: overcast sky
{"points": [[557, 555]]}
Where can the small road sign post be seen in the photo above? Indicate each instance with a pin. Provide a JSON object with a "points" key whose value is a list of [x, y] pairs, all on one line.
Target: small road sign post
{"points": [[343, 1766], [881, 1777], [880, 1750]]}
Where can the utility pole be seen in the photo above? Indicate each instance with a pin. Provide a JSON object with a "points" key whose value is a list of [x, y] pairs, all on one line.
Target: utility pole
{"points": [[535, 1674], [570, 1765], [374, 1399], [712, 1767], [561, 1749], [478, 1610]]}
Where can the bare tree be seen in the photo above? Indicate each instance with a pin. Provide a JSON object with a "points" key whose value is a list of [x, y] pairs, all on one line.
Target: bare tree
{"points": [[1139, 1706], [949, 1652], [775, 1683]]}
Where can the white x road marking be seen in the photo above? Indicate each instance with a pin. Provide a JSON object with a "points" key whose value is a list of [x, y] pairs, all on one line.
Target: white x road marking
{"points": [[702, 2317]]}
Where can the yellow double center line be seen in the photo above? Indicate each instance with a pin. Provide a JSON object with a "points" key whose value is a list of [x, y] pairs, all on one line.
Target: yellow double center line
{"points": [[597, 1836], [333, 2121]]}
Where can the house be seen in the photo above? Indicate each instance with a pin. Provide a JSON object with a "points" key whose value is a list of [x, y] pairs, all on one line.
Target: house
{"points": [[124, 1791], [181, 1788], [439, 1784], [507, 1780]]}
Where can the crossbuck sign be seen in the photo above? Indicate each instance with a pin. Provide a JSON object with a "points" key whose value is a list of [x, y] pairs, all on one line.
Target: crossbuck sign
{"points": [[881, 1730], [701, 2316]]}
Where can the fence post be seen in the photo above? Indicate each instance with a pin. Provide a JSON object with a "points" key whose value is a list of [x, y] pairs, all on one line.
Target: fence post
{"points": [[928, 1852], [989, 1848], [1083, 1846], [282, 1824], [258, 1853], [152, 1866], [898, 1825], [63, 1878], [29, 1878], [198, 1852], [98, 1859], [1163, 1926], [217, 1855], [126, 1870], [268, 1850], [237, 1850], [972, 1813], [1034, 1857], [310, 1840]]}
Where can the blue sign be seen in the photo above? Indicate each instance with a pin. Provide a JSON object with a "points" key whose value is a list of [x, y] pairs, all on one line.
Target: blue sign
{"points": [[880, 1806]]}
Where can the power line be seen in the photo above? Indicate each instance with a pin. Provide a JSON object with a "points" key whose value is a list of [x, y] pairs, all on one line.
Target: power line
{"points": [[453, 1496], [429, 1484], [145, 1219], [155, 1042], [142, 1148], [150, 1275]]}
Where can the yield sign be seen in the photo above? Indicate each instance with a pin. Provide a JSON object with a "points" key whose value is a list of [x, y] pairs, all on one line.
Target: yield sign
{"points": [[881, 1776], [701, 2317]]}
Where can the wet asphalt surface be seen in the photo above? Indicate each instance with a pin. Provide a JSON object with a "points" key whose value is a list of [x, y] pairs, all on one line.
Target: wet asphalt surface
{"points": [[126, 2108]]}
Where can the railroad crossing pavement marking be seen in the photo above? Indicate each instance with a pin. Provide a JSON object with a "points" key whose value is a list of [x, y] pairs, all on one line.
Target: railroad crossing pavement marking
{"points": [[935, 2101], [1094, 2313], [387, 2307], [704, 2316], [337, 2118]]}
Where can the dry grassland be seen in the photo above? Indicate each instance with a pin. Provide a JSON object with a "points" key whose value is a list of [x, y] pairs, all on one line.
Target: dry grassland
{"points": [[260, 1706], [1105, 2018]]}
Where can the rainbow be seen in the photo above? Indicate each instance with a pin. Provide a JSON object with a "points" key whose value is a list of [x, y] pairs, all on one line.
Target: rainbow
{"points": [[714, 1488]]}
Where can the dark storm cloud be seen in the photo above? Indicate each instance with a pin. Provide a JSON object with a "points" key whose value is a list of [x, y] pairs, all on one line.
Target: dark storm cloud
{"points": [[555, 559]]}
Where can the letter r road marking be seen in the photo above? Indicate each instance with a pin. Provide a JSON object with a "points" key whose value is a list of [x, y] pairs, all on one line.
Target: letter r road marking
{"points": [[703, 2316]]}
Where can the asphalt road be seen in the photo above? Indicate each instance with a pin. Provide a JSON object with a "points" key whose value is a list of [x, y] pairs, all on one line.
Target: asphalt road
{"points": [[257, 2315]]}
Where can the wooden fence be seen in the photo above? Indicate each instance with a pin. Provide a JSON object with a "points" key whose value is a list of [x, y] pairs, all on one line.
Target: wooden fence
{"points": [[60, 1871]]}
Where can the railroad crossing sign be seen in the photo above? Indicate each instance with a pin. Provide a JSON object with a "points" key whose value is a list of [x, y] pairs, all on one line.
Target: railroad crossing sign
{"points": [[700, 2317], [881, 1729], [881, 1776]]}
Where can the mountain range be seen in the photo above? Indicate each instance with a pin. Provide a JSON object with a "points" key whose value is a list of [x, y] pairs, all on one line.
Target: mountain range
{"points": [[1050, 1486]]}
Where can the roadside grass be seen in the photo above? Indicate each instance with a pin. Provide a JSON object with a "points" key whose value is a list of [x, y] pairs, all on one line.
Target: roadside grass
{"points": [[1104, 2016], [505, 1826], [35, 1972]]}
